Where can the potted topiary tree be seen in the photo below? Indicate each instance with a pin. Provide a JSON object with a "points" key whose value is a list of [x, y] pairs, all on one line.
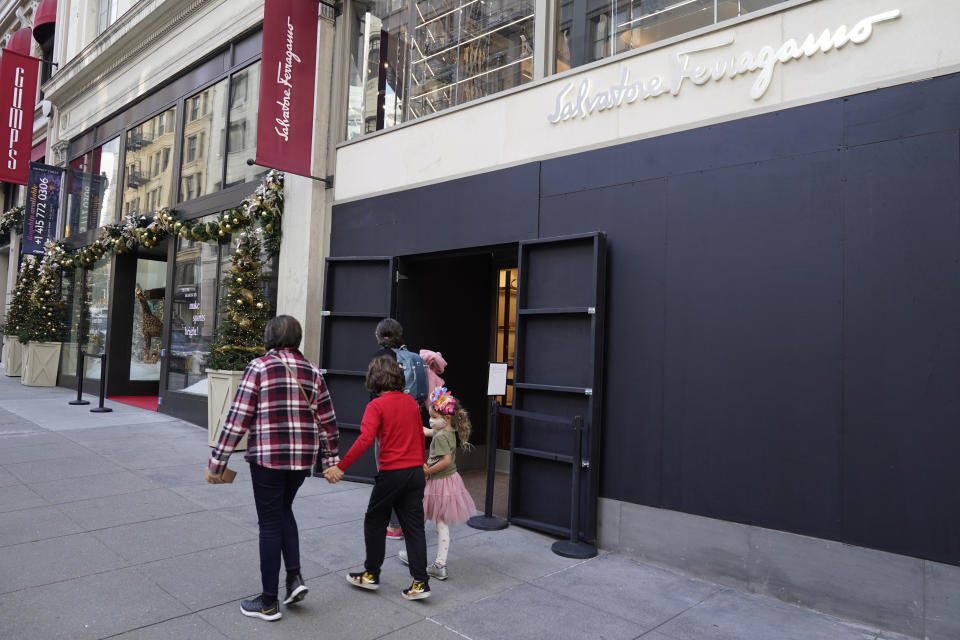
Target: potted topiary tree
{"points": [[15, 330], [244, 312], [41, 360]]}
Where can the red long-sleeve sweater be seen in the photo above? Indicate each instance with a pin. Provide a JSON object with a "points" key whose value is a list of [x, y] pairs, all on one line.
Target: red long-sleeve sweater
{"points": [[394, 419]]}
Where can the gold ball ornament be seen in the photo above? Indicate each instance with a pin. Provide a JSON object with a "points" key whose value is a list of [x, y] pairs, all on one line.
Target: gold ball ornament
{"points": [[259, 305], [220, 233], [239, 301]]}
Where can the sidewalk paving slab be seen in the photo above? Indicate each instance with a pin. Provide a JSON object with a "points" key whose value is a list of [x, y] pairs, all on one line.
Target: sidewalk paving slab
{"points": [[41, 523], [95, 606], [127, 508], [107, 530], [42, 562]]}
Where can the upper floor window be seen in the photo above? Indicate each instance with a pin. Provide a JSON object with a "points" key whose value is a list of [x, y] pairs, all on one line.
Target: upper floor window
{"points": [[92, 188], [593, 30], [109, 11], [411, 58], [148, 169]]}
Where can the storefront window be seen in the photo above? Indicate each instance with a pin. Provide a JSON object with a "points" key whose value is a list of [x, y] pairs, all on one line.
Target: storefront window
{"points": [[201, 169], [196, 310], [612, 27], [242, 136], [74, 297], [196, 277], [96, 304], [147, 165], [456, 52], [92, 189]]}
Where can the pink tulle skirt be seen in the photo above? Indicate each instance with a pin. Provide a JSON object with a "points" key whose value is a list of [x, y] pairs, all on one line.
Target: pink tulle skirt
{"points": [[447, 499]]}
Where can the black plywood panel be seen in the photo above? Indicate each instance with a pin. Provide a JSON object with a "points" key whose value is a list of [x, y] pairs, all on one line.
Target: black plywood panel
{"points": [[349, 395], [359, 286], [901, 479], [782, 133], [349, 342], [753, 344], [902, 111], [559, 275], [634, 216], [557, 350], [449, 215]]}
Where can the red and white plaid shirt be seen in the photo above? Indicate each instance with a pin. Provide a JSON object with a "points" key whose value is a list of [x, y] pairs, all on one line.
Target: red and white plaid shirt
{"points": [[285, 432]]}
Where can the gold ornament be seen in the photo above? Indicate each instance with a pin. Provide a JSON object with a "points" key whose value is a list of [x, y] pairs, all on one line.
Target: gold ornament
{"points": [[239, 301], [259, 305]]}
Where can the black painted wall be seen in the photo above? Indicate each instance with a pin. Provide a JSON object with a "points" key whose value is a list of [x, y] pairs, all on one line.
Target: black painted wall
{"points": [[783, 345]]}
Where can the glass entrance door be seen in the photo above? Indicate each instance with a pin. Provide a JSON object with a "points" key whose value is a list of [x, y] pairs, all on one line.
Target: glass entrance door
{"points": [[148, 311]]}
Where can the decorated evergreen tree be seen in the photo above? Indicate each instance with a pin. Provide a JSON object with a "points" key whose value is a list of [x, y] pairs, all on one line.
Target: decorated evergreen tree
{"points": [[244, 310], [20, 310], [46, 319]]}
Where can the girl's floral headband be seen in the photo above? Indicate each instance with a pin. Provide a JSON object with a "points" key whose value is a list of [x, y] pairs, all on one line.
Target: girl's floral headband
{"points": [[442, 401]]}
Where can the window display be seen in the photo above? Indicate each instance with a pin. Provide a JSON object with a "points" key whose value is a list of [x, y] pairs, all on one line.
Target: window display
{"points": [[196, 277]]}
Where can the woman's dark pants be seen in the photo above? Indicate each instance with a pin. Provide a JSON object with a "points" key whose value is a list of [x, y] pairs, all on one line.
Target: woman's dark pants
{"points": [[273, 491], [401, 490]]}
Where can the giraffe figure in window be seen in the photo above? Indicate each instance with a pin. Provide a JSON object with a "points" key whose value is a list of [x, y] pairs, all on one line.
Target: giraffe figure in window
{"points": [[152, 327]]}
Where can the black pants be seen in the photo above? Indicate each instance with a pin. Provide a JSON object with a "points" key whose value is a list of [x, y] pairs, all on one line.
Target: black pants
{"points": [[273, 491], [402, 491]]}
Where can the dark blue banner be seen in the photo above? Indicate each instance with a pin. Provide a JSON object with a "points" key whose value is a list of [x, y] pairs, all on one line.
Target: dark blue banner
{"points": [[43, 206]]}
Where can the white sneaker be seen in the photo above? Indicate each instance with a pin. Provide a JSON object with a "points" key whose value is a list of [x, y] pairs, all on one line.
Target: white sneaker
{"points": [[434, 570]]}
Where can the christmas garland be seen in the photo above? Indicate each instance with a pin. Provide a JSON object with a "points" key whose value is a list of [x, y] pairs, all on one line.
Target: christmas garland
{"points": [[263, 207], [11, 219]]}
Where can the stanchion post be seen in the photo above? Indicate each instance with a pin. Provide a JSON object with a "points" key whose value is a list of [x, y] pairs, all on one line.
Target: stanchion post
{"points": [[103, 369], [489, 522], [573, 548], [81, 369]]}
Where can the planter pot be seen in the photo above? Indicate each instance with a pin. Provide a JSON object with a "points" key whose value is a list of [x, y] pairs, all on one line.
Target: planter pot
{"points": [[41, 361], [12, 356], [221, 387]]}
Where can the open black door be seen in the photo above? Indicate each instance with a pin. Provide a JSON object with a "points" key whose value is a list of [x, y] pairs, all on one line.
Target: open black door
{"points": [[357, 294], [558, 370]]}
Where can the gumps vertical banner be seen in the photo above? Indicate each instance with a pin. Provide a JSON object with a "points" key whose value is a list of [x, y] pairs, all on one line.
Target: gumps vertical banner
{"points": [[18, 93], [287, 77], [43, 206]]}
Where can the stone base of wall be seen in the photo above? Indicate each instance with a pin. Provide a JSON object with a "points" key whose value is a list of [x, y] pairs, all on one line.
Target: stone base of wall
{"points": [[907, 595]]}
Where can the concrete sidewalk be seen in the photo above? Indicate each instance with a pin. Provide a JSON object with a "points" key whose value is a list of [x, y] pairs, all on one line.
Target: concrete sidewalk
{"points": [[108, 530]]}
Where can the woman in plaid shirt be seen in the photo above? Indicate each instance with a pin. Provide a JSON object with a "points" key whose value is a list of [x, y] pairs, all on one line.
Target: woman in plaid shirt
{"points": [[284, 405]]}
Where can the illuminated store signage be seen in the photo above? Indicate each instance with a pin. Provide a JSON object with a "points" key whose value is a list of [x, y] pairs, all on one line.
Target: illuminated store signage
{"points": [[578, 101]]}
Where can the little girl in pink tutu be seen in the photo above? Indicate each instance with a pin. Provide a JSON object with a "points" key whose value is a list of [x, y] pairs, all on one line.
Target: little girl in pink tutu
{"points": [[445, 498]]}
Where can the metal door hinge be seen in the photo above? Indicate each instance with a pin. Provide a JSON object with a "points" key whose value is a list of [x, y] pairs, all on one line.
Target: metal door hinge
{"points": [[588, 392], [324, 313], [591, 311]]}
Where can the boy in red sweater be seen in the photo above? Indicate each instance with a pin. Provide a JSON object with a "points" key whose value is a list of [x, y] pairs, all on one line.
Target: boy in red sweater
{"points": [[393, 418]]}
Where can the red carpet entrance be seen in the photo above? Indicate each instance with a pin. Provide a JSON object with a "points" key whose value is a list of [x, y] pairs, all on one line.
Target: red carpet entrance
{"points": [[143, 402]]}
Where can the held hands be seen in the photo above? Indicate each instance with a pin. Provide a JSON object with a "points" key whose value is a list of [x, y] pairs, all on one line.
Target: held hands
{"points": [[333, 474], [211, 478]]}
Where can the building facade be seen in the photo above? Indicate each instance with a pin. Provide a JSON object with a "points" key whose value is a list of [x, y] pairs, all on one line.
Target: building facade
{"points": [[153, 111], [716, 240], [731, 228]]}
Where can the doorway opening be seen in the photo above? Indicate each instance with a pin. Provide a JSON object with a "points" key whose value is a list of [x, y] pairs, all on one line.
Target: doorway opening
{"points": [[138, 311], [464, 306]]}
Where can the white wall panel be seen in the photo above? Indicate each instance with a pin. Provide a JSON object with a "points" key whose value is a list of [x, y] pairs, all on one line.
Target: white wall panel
{"points": [[514, 128]]}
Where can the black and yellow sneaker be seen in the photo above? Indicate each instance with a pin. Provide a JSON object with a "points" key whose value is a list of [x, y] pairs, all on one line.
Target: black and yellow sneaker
{"points": [[416, 591], [364, 580], [261, 608]]}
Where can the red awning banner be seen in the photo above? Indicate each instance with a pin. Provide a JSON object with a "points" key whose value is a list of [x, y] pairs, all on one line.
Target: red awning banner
{"points": [[44, 20], [287, 85], [39, 152], [18, 89], [21, 41]]}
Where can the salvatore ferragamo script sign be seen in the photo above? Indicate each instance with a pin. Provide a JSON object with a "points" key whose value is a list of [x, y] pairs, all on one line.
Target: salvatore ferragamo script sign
{"points": [[692, 65], [288, 74]]}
